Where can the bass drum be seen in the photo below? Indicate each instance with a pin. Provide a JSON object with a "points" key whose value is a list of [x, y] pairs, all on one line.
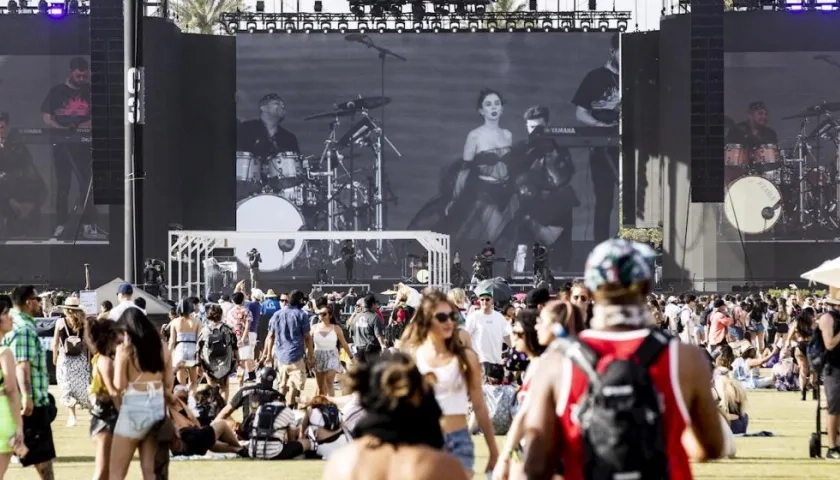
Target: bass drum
{"points": [[752, 204], [268, 213]]}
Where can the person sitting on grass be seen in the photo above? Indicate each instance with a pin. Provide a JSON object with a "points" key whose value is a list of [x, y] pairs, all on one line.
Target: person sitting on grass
{"points": [[731, 400], [249, 398], [746, 368], [323, 426], [196, 440]]}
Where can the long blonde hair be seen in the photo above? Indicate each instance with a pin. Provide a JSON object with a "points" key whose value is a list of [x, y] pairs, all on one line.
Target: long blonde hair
{"points": [[732, 397], [418, 330], [74, 319]]}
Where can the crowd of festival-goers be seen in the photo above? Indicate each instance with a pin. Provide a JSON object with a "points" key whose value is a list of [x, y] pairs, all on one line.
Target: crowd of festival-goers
{"points": [[598, 380]]}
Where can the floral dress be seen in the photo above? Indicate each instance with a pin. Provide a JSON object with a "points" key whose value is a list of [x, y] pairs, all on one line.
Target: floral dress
{"points": [[72, 372]]}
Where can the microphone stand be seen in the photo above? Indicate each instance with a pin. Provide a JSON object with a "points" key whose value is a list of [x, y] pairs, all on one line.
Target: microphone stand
{"points": [[383, 54]]}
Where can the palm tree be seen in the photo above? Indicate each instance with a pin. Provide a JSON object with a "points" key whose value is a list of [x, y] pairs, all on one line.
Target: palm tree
{"points": [[202, 16]]}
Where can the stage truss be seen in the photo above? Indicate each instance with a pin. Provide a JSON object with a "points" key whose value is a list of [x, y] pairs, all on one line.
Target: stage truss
{"points": [[188, 250]]}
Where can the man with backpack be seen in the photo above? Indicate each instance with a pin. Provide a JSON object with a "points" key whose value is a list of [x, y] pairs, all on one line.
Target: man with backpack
{"points": [[828, 354], [616, 401]]}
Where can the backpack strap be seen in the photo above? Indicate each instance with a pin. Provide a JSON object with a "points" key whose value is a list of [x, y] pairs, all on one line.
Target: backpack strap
{"points": [[652, 346], [582, 356]]}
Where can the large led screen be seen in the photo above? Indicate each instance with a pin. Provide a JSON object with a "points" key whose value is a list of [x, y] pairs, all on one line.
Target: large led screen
{"points": [[510, 139], [45, 158], [782, 146]]}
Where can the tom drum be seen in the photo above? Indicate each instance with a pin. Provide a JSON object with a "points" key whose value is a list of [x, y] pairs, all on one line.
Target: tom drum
{"points": [[268, 213], [752, 204], [285, 170], [247, 167]]}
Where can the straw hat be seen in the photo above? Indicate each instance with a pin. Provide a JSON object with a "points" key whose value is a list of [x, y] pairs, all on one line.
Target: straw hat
{"points": [[833, 296], [270, 294], [72, 303]]}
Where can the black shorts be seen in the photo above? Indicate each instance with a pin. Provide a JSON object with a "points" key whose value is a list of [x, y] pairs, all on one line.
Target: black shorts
{"points": [[290, 450], [831, 381], [197, 441], [38, 437]]}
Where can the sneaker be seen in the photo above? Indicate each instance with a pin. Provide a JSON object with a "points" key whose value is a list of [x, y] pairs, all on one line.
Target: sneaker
{"points": [[58, 231], [71, 422], [833, 454]]}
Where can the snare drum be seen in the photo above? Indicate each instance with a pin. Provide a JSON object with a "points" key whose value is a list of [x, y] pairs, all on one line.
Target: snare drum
{"points": [[767, 153], [268, 213], [247, 167], [752, 204], [285, 170], [303, 195]]}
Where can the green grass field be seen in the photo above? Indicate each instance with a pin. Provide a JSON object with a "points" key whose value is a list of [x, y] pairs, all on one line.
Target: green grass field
{"points": [[784, 456]]}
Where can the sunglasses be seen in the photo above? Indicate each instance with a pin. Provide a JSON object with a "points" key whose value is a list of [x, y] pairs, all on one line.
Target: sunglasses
{"points": [[445, 317], [37, 299], [284, 300], [485, 299], [518, 333]]}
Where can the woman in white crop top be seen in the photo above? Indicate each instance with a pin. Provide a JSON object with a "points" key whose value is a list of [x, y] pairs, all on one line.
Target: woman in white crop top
{"points": [[326, 336], [433, 340]]}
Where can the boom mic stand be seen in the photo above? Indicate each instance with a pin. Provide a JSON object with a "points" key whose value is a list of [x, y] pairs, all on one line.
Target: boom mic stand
{"points": [[383, 54]]}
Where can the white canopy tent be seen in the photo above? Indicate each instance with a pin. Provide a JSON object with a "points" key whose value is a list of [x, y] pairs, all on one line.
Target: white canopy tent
{"points": [[190, 248], [828, 273]]}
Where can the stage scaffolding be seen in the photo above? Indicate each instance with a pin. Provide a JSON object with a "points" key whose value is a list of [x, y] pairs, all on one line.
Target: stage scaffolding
{"points": [[188, 249]]}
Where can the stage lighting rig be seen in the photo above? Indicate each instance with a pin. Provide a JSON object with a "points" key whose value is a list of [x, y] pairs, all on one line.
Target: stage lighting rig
{"points": [[421, 21]]}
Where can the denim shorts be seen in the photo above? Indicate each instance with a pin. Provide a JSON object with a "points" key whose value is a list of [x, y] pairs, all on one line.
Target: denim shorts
{"points": [[459, 444], [737, 333], [758, 327], [140, 412]]}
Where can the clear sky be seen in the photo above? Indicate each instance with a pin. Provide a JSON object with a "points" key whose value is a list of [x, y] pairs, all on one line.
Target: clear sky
{"points": [[645, 12]]}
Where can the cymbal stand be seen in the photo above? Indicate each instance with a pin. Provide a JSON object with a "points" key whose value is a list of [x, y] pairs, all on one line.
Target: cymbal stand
{"points": [[801, 152], [327, 156], [376, 145]]}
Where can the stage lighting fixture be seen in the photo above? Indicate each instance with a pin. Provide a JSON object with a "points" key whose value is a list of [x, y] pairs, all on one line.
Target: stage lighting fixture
{"points": [[454, 27], [260, 6], [622, 26], [307, 26], [511, 27], [363, 27], [400, 27], [566, 26], [290, 28], [233, 26], [529, 26], [12, 7], [479, 9], [603, 26], [271, 27], [418, 27], [319, 6], [325, 27], [491, 27], [473, 27], [56, 10], [342, 25], [436, 27], [73, 7], [381, 27], [584, 26], [547, 24], [252, 27]]}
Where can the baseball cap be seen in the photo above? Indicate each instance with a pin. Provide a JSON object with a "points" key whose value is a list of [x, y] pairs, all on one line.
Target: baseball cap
{"points": [[620, 263], [125, 288], [486, 293]]}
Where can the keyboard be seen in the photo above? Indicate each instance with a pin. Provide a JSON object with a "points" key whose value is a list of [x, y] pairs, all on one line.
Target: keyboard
{"points": [[49, 136], [583, 137]]}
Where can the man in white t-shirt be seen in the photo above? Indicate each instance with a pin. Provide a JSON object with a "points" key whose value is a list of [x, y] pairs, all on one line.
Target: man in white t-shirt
{"points": [[488, 332], [124, 294]]}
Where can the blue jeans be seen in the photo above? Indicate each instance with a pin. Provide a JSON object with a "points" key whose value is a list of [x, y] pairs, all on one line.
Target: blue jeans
{"points": [[459, 444]]}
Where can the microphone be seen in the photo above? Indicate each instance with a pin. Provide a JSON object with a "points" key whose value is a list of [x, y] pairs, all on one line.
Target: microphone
{"points": [[355, 37], [822, 57]]}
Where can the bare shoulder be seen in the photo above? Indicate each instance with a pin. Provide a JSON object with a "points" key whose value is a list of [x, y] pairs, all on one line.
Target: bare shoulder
{"points": [[472, 357], [506, 133], [341, 463]]}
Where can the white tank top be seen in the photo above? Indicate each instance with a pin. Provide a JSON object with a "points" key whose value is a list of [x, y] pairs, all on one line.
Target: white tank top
{"points": [[325, 342], [450, 387]]}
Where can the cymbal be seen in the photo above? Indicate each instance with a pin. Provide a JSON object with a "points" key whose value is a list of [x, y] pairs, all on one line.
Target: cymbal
{"points": [[351, 107], [816, 110]]}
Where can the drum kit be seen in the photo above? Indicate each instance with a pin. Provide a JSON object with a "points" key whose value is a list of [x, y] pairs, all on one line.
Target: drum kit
{"points": [[290, 192], [794, 195]]}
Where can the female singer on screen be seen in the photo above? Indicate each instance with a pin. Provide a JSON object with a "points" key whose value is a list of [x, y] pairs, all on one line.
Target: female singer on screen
{"points": [[484, 151]]}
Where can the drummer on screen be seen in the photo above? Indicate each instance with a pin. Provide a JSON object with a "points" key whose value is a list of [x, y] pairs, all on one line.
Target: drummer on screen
{"points": [[264, 137], [754, 131]]}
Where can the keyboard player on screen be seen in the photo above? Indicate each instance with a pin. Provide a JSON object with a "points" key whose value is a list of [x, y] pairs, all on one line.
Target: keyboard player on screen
{"points": [[598, 100]]}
